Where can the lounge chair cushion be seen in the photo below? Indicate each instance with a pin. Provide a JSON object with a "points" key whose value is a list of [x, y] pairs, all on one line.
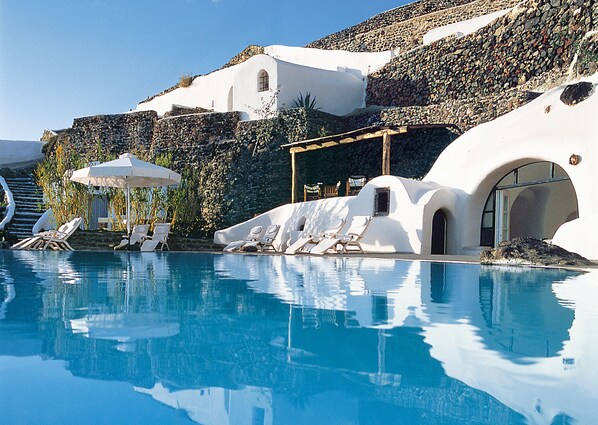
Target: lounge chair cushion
{"points": [[254, 234]]}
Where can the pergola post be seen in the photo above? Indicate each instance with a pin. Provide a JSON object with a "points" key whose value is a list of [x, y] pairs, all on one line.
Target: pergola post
{"points": [[386, 153], [293, 177]]}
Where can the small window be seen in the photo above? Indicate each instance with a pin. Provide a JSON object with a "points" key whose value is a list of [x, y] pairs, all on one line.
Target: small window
{"points": [[259, 416], [382, 201], [263, 81]]}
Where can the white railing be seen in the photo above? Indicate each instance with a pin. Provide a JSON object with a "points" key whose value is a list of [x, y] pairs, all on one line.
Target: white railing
{"points": [[10, 211]]}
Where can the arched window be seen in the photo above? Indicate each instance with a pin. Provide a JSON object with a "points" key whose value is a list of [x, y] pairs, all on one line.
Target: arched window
{"points": [[263, 81], [533, 200]]}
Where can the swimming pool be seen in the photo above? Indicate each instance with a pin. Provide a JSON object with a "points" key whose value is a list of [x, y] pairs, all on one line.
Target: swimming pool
{"points": [[178, 338]]}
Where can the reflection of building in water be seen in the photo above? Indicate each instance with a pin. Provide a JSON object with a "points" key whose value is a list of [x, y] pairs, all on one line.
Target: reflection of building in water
{"points": [[506, 323], [511, 299], [355, 337], [218, 406]]}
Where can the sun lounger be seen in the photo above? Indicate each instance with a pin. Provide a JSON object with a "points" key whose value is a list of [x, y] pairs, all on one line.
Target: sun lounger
{"points": [[307, 240], [159, 237], [138, 236], [351, 237], [53, 239], [254, 235], [265, 242]]}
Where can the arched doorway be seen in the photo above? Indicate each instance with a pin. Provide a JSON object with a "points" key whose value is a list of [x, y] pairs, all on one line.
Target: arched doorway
{"points": [[530, 201], [438, 246]]}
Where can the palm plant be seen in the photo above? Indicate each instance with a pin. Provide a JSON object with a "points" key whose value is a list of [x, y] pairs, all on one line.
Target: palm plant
{"points": [[306, 102]]}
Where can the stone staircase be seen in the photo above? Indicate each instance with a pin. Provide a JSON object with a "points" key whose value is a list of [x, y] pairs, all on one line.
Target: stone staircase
{"points": [[28, 199]]}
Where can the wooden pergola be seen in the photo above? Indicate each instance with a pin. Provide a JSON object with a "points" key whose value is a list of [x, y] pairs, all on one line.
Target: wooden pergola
{"points": [[385, 132]]}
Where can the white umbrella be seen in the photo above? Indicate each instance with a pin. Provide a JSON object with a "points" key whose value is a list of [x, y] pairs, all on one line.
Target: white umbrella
{"points": [[126, 172]]}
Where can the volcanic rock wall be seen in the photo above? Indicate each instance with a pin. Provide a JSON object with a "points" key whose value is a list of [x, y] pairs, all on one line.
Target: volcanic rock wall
{"points": [[404, 28], [537, 39], [347, 39], [112, 133], [238, 168]]}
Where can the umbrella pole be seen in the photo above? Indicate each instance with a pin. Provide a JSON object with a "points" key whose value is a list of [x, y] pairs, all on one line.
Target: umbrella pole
{"points": [[128, 217]]}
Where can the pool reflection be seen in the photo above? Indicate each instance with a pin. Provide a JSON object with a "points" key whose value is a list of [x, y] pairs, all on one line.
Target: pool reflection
{"points": [[273, 339]]}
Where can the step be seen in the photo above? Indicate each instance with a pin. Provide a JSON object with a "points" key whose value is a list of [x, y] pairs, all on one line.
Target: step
{"points": [[22, 225], [22, 193], [22, 185], [27, 214], [33, 206]]}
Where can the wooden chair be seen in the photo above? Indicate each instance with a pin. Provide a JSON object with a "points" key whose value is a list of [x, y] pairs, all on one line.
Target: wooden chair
{"points": [[331, 191], [354, 184], [311, 192]]}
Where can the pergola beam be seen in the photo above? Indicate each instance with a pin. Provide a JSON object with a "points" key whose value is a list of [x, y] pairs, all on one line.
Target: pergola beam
{"points": [[307, 145]]}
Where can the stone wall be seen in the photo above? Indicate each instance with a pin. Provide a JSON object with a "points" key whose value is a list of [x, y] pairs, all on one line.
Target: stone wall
{"points": [[347, 39], [408, 30], [540, 38], [238, 168], [190, 138], [463, 114], [177, 110], [247, 53], [409, 34], [113, 133]]}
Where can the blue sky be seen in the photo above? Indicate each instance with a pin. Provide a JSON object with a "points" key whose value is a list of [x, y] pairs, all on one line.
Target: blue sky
{"points": [[62, 59]]}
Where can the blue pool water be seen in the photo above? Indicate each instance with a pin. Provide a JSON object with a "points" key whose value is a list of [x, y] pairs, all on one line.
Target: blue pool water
{"points": [[173, 338]]}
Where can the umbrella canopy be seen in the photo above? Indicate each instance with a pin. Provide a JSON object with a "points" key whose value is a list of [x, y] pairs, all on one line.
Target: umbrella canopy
{"points": [[126, 172]]}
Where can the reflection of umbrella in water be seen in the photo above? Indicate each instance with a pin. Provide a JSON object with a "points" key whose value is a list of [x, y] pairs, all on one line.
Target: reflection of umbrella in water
{"points": [[126, 328], [126, 172]]}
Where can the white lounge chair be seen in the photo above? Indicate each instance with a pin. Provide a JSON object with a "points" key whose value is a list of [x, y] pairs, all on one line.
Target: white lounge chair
{"points": [[351, 237], [138, 236], [254, 235], [306, 240], [159, 237], [265, 242], [54, 239]]}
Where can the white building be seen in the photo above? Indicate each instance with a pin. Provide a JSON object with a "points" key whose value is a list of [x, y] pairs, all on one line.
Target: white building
{"points": [[16, 154], [271, 81], [531, 172]]}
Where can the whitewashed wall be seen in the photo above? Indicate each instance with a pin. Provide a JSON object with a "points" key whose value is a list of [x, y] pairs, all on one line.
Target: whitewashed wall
{"points": [[474, 163], [292, 70], [462, 28], [337, 92]]}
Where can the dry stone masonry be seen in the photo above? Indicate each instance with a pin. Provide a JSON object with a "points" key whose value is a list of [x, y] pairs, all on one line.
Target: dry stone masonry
{"points": [[536, 39], [406, 32]]}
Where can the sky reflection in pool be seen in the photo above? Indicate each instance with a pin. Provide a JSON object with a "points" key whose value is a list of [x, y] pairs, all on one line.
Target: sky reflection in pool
{"points": [[242, 339]]}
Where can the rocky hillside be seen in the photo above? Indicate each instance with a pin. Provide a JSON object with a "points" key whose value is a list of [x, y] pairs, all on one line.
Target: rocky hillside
{"points": [[403, 28], [529, 48]]}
